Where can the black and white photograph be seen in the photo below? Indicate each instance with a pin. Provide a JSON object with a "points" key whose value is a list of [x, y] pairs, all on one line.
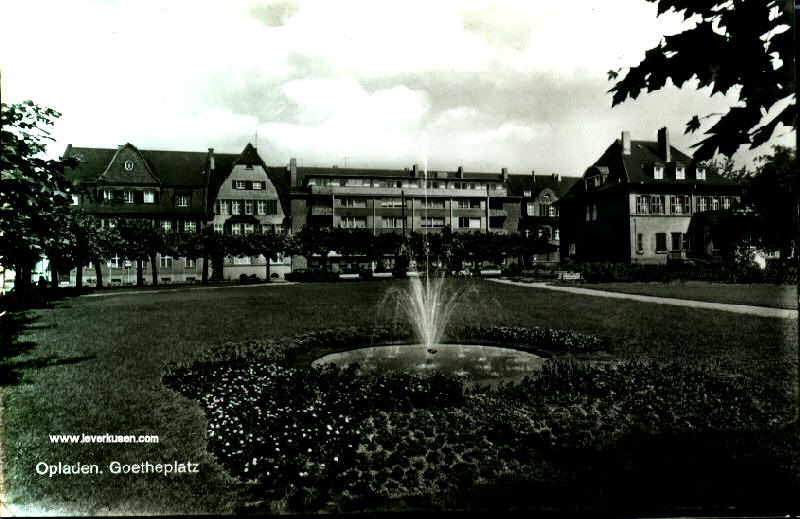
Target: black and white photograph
{"points": [[300, 257]]}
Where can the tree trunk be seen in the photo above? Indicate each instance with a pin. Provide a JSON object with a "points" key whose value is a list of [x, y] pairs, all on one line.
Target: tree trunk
{"points": [[205, 270], [217, 266], [98, 270], [79, 274], [268, 275], [155, 268], [139, 273], [54, 272], [22, 281]]}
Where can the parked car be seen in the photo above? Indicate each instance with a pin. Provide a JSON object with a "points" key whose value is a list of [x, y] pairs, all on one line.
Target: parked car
{"points": [[346, 274], [487, 271], [463, 273]]}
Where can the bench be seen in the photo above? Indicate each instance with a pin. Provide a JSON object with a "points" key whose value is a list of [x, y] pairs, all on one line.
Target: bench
{"points": [[115, 282]]}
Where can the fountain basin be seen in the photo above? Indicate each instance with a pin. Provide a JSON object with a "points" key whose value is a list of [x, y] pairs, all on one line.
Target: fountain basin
{"points": [[474, 363]]}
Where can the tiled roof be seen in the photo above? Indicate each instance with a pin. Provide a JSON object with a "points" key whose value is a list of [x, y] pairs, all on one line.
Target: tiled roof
{"points": [[303, 172], [173, 168], [519, 184]]}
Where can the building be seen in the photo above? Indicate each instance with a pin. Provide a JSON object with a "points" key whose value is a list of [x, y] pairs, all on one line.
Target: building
{"points": [[636, 204], [400, 201], [177, 191], [538, 196]]}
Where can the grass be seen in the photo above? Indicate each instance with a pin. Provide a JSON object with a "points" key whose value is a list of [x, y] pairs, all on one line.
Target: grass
{"points": [[93, 365], [775, 296]]}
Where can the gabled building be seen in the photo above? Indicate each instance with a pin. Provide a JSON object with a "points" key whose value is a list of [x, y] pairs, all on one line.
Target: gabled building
{"points": [[635, 204], [177, 191], [538, 197]]}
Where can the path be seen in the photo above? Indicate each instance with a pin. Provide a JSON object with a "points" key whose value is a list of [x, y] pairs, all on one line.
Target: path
{"points": [[169, 290], [762, 311]]}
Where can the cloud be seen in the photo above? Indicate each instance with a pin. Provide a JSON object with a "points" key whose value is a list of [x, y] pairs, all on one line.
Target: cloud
{"points": [[274, 14]]}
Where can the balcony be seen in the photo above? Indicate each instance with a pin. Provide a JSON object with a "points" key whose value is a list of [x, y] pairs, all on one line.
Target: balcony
{"points": [[321, 211], [409, 191], [498, 212]]}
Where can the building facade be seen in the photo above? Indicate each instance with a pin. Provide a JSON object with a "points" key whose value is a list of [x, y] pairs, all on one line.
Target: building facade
{"points": [[637, 202], [177, 191], [400, 201]]}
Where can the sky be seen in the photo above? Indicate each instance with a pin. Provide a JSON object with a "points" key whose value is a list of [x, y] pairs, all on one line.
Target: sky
{"points": [[473, 83]]}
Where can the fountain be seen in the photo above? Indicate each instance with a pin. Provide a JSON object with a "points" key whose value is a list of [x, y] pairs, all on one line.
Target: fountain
{"points": [[428, 305]]}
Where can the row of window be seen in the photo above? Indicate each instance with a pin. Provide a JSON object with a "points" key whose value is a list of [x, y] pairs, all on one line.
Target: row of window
{"points": [[396, 222], [256, 207], [541, 209], [249, 185], [397, 202], [167, 225], [165, 262], [129, 196], [680, 204], [247, 228], [678, 241], [404, 183]]}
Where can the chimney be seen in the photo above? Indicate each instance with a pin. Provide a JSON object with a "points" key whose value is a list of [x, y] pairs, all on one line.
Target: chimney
{"points": [[504, 173], [460, 172], [663, 144], [556, 177], [210, 159], [533, 175], [626, 143], [293, 172], [414, 170]]}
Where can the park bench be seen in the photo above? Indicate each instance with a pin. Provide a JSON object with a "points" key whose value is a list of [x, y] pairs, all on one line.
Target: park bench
{"points": [[115, 282]]}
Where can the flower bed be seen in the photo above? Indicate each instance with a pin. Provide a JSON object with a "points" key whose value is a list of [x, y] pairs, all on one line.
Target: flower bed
{"points": [[335, 440]]}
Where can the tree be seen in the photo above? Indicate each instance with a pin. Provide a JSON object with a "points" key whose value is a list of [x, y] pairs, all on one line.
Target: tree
{"points": [[269, 244], [734, 43], [33, 188], [772, 194], [315, 240]]}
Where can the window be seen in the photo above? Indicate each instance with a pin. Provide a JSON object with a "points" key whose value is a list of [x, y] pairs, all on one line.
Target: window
{"points": [[392, 222], [349, 201], [190, 264], [248, 207], [236, 229], [686, 242], [679, 204], [702, 203], [272, 206], [643, 204], [218, 227], [657, 204], [526, 193], [572, 249], [530, 209], [391, 202], [278, 228], [353, 222], [248, 228], [639, 243], [241, 261], [433, 203], [128, 197], [556, 235], [217, 208], [108, 196], [658, 172], [680, 172], [182, 201], [661, 242], [700, 173], [432, 222], [356, 182], [258, 185], [166, 225], [190, 226], [715, 203], [166, 262], [588, 213], [677, 241], [239, 184], [475, 203], [235, 207], [149, 197], [469, 223], [261, 207], [726, 202]]}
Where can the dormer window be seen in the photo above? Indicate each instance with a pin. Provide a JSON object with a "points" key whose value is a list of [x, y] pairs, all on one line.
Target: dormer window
{"points": [[182, 201], [700, 172], [239, 184], [526, 193], [680, 172], [149, 197], [658, 171], [129, 197]]}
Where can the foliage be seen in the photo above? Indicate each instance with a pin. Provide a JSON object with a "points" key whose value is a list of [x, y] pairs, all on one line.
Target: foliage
{"points": [[721, 272], [34, 195], [530, 338], [746, 44]]}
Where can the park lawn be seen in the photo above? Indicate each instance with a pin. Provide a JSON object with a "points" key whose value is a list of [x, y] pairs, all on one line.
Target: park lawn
{"points": [[93, 365], [775, 296]]}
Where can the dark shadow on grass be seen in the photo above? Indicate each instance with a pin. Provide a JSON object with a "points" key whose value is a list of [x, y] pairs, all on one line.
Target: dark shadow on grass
{"points": [[11, 372]]}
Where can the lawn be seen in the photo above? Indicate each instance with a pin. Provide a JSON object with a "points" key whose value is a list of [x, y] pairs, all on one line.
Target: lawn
{"points": [[94, 364], [775, 296]]}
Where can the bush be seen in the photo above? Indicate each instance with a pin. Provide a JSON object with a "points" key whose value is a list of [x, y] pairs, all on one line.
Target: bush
{"points": [[683, 271]]}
